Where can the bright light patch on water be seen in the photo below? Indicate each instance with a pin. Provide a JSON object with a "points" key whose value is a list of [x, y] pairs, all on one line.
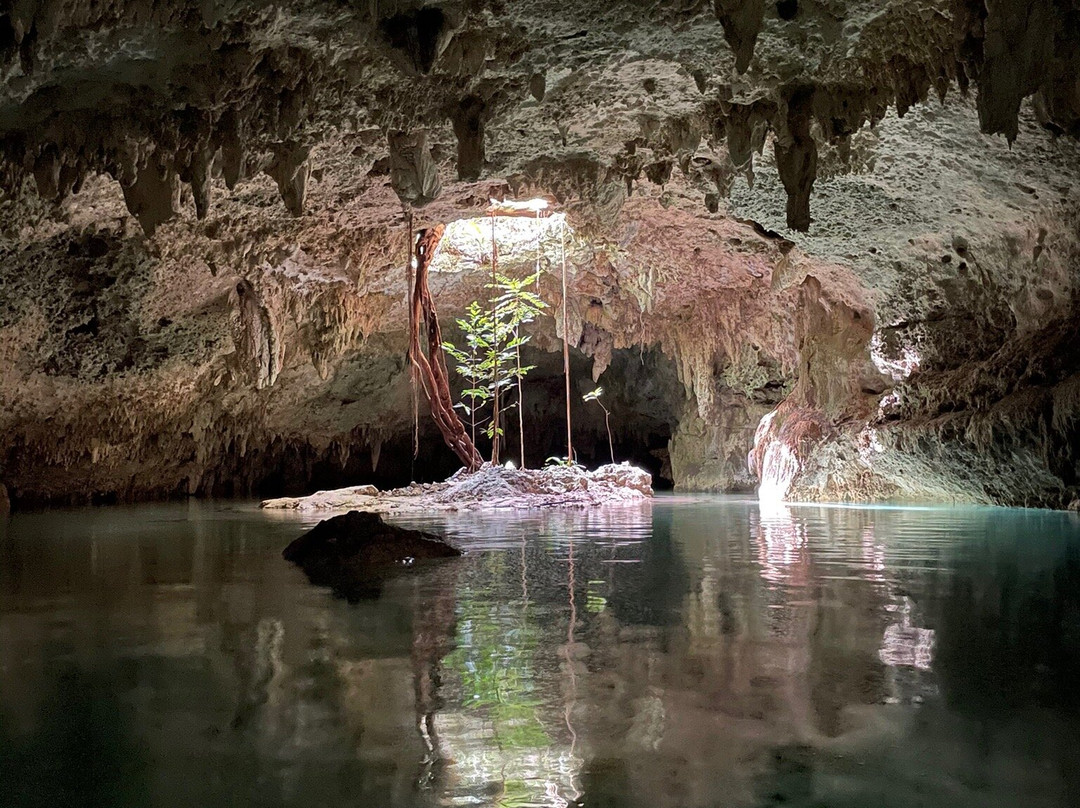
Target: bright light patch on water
{"points": [[781, 542], [907, 645]]}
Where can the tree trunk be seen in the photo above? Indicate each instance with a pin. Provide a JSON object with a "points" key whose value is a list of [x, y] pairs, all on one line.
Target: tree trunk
{"points": [[520, 404], [432, 368]]}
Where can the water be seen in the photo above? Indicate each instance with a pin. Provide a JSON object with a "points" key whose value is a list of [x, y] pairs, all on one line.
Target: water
{"points": [[695, 652]]}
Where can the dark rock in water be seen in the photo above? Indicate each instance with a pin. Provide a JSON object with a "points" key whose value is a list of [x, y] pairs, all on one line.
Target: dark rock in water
{"points": [[357, 537], [353, 553]]}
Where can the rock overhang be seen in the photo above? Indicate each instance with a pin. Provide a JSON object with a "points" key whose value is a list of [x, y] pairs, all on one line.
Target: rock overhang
{"points": [[580, 100]]}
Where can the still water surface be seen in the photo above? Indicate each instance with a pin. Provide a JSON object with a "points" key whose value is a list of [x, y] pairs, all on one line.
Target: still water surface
{"points": [[692, 652]]}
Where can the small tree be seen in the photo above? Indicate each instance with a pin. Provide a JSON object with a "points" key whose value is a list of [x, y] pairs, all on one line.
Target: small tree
{"points": [[595, 396], [521, 306], [472, 362], [490, 359], [492, 345]]}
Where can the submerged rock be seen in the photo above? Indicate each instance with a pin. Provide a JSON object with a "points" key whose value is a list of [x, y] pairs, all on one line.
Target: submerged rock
{"points": [[355, 553]]}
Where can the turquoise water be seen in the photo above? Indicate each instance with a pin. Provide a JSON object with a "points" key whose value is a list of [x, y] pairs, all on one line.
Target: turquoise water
{"points": [[693, 652]]}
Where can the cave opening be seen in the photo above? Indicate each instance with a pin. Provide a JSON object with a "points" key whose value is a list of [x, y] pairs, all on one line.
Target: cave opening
{"points": [[639, 388], [522, 242]]}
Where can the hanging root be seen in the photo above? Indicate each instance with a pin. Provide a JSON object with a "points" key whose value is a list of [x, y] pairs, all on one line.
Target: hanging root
{"points": [[432, 368]]}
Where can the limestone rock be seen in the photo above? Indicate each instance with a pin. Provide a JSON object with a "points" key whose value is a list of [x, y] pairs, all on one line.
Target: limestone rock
{"points": [[290, 169], [356, 539], [492, 488], [742, 21], [468, 120], [413, 173], [624, 475], [153, 197], [353, 553]]}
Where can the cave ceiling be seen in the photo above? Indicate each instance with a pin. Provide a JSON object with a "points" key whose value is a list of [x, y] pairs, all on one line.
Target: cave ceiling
{"points": [[440, 104]]}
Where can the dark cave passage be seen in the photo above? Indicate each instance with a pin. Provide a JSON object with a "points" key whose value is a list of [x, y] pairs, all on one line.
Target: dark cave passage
{"points": [[641, 390]]}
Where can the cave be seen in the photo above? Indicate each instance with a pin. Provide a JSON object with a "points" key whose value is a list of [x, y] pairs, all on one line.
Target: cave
{"points": [[772, 308]]}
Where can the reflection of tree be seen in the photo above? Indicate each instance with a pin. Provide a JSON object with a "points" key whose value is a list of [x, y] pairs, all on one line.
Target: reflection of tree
{"points": [[494, 664], [525, 620], [495, 676], [433, 638], [569, 652]]}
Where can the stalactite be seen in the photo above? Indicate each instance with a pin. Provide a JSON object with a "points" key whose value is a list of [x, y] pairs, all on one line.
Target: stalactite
{"points": [[291, 169], [153, 197], [742, 21], [256, 339], [468, 121], [1017, 52], [413, 173], [796, 156]]}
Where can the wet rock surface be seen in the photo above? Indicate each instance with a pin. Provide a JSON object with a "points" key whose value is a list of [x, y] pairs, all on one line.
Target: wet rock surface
{"points": [[364, 538]]}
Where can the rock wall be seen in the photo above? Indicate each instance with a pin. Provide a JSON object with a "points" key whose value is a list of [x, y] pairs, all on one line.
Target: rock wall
{"points": [[973, 261], [197, 363]]}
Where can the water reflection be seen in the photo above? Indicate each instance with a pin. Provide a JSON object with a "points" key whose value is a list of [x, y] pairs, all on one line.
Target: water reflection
{"points": [[695, 652]]}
